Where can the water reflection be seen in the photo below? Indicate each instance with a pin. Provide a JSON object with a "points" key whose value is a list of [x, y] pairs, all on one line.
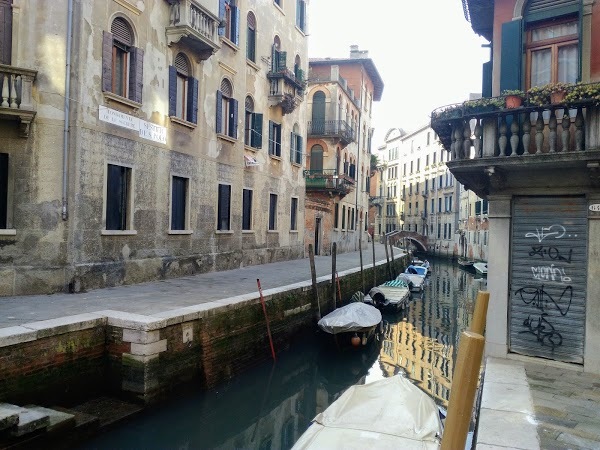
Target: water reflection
{"points": [[270, 406]]}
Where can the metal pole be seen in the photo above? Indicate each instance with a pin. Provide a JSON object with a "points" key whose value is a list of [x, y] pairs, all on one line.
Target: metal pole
{"points": [[313, 275], [262, 300]]}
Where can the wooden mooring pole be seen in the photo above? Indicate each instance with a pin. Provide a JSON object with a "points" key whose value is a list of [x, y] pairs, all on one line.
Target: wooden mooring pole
{"points": [[313, 276], [262, 300], [362, 275], [387, 257], [392, 272], [374, 268], [333, 271], [480, 313], [464, 388]]}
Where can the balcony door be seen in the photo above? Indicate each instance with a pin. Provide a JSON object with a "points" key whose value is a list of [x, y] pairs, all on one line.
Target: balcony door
{"points": [[316, 158], [5, 31], [318, 113]]}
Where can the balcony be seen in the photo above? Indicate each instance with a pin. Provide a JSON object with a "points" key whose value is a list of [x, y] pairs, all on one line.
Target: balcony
{"points": [[521, 148], [329, 181], [335, 129], [377, 200], [195, 26], [17, 102]]}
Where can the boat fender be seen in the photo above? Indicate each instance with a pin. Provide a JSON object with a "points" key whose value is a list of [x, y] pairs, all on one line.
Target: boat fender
{"points": [[355, 340]]}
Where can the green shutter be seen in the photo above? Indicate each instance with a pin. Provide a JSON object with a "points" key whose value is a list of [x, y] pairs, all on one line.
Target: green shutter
{"points": [[257, 126], [511, 55]]}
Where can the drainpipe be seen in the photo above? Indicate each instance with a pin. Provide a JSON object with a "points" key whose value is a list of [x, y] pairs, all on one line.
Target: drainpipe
{"points": [[65, 213]]}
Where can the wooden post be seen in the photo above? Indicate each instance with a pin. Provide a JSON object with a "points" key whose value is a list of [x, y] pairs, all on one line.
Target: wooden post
{"points": [[464, 387], [362, 275], [313, 275], [264, 307], [339, 289], [333, 270], [387, 256], [480, 313], [374, 268], [392, 272]]}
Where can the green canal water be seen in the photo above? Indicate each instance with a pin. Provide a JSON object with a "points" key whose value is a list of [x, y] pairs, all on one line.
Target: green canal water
{"points": [[270, 406]]}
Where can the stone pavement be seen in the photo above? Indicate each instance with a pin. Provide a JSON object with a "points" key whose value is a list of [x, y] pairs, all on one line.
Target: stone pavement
{"points": [[165, 295], [533, 406]]}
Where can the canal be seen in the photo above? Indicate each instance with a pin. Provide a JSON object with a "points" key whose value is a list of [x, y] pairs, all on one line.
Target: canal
{"points": [[270, 406]]}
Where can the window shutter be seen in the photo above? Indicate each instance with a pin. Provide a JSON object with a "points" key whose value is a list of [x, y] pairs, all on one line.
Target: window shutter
{"points": [[3, 189], [5, 33], [107, 45], [257, 126], [299, 149], [192, 100], [221, 30], [292, 146], [172, 91], [511, 55], [223, 207], [219, 114], [281, 61], [274, 58], [271, 139], [233, 118], [302, 15], [136, 76], [235, 25]]}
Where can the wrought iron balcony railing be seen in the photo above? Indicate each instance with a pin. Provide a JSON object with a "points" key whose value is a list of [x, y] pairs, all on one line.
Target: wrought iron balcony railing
{"points": [[328, 180], [194, 25], [331, 128], [17, 103], [377, 200]]}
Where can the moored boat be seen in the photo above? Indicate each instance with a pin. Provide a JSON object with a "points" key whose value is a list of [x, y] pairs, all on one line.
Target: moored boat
{"points": [[416, 270], [481, 268], [352, 325], [392, 296], [415, 283]]}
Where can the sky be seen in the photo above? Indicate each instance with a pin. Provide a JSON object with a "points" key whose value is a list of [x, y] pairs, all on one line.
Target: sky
{"points": [[425, 52]]}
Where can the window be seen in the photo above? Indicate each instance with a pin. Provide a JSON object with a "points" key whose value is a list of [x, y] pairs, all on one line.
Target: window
{"points": [[432, 205], [224, 208], [247, 209], [226, 110], [253, 125], [553, 53], [230, 13], [366, 221], [301, 14], [316, 158], [296, 146], [5, 31], [449, 231], [404, 169], [336, 215], [183, 90], [434, 156], [439, 234], [278, 57], [274, 139], [294, 214], [122, 63], [251, 37], [118, 197], [179, 200], [3, 191], [343, 217], [272, 212], [278, 3], [440, 204]]}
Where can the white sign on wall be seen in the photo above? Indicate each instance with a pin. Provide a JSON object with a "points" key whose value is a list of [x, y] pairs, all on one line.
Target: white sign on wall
{"points": [[595, 207], [146, 130]]}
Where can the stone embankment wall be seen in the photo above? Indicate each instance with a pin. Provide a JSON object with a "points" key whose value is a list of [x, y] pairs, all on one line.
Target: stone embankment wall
{"points": [[145, 356]]}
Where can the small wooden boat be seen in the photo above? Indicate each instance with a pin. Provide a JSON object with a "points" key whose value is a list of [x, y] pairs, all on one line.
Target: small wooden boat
{"points": [[391, 296], [352, 325], [465, 262], [416, 270], [416, 283]]}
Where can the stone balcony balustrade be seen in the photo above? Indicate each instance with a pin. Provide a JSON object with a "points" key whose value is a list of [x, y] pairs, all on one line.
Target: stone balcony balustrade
{"points": [[495, 150], [194, 25], [17, 101]]}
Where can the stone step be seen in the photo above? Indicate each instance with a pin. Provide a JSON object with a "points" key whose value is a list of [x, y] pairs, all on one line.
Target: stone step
{"points": [[29, 420], [59, 420]]}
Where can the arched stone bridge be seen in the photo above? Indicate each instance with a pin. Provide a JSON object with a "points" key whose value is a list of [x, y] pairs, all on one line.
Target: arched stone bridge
{"points": [[419, 240]]}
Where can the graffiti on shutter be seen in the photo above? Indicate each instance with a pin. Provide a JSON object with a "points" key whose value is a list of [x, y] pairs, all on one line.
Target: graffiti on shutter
{"points": [[548, 277]]}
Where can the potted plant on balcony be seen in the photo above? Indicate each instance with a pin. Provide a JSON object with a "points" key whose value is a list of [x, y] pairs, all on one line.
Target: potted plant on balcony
{"points": [[580, 92], [448, 112], [552, 93], [483, 105], [513, 98]]}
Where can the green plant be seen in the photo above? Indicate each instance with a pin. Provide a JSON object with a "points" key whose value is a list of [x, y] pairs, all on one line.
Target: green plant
{"points": [[540, 95], [483, 103], [448, 112], [583, 92], [516, 92]]}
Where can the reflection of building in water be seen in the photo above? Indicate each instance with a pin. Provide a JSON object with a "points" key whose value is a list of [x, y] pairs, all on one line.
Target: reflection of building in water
{"points": [[426, 361]]}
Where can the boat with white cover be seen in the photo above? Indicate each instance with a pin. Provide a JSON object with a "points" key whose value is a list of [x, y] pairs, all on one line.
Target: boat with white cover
{"points": [[353, 320]]}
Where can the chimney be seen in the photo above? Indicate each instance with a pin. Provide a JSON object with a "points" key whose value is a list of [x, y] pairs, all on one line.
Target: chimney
{"points": [[356, 53]]}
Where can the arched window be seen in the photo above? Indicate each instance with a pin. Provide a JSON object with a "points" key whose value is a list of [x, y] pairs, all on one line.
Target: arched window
{"points": [[251, 37], [183, 90], [230, 14], [318, 113], [316, 158], [122, 63], [226, 110], [253, 125], [278, 62]]}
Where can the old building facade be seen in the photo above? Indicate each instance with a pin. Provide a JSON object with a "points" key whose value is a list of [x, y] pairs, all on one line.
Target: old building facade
{"points": [[172, 143], [340, 97], [537, 166]]}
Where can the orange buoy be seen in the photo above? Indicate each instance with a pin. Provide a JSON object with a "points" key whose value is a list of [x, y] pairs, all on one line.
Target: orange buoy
{"points": [[355, 340]]}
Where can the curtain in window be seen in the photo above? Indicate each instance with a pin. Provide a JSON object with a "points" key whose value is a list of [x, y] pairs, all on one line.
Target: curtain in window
{"points": [[568, 63], [541, 67]]}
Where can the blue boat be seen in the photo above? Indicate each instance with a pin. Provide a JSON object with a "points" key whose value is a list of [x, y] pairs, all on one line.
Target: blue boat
{"points": [[416, 270]]}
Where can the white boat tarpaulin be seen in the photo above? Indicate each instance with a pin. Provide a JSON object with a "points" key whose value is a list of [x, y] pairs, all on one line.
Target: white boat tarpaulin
{"points": [[352, 317], [391, 413]]}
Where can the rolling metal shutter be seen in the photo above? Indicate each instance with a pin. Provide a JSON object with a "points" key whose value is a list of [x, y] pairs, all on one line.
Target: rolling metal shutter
{"points": [[548, 277]]}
